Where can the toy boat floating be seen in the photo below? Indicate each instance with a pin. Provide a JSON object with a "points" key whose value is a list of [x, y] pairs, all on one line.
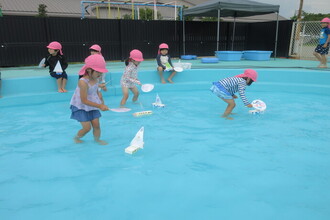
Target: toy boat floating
{"points": [[137, 142], [143, 113], [158, 103]]}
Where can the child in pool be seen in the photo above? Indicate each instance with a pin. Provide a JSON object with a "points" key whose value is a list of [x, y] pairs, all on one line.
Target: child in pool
{"points": [[129, 77], [96, 49], [322, 49], [87, 100], [164, 63], [227, 87], [55, 55]]}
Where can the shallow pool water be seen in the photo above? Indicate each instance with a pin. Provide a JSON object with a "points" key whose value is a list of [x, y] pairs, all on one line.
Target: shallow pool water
{"points": [[195, 165]]}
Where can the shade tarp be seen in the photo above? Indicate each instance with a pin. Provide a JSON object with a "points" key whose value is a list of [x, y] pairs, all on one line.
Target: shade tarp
{"points": [[233, 8]]}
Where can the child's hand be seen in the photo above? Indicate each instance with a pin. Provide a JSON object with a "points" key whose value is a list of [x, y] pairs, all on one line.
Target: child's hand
{"points": [[249, 106], [103, 87], [43, 65], [104, 107], [234, 96]]}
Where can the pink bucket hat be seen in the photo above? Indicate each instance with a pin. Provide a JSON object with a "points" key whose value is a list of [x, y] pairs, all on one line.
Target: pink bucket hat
{"points": [[162, 46], [136, 55], [250, 73], [55, 46], [96, 47], [95, 62], [326, 20]]}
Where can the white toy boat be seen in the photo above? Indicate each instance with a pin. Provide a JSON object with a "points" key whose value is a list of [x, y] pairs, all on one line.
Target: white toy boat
{"points": [[137, 142], [158, 103], [143, 113], [58, 68]]}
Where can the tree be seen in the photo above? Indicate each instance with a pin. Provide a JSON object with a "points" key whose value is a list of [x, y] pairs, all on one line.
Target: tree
{"points": [[147, 14], [42, 12], [310, 16]]}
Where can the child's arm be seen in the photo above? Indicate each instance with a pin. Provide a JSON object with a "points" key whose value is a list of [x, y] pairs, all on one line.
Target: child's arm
{"points": [[83, 96], [327, 42], [46, 63], [241, 91], [159, 62], [63, 62]]}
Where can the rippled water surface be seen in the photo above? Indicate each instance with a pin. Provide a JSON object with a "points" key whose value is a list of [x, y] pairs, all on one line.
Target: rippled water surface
{"points": [[195, 165]]}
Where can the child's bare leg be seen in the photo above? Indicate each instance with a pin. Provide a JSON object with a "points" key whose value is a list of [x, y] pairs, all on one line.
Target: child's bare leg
{"points": [[171, 76], [324, 61], [97, 132], [318, 57], [86, 127], [231, 105], [64, 85], [59, 84], [125, 96], [160, 72], [136, 93]]}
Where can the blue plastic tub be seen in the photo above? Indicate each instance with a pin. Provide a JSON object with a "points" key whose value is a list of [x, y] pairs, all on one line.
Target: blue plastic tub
{"points": [[229, 55], [188, 57], [256, 54], [210, 60]]}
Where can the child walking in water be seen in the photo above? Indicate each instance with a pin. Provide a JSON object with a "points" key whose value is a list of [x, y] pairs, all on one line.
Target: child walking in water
{"points": [[55, 55], [164, 63], [129, 77], [87, 100], [322, 48], [227, 87]]}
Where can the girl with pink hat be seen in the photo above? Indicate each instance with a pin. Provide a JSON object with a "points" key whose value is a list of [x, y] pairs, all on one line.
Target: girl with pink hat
{"points": [[55, 56], [227, 87], [164, 63], [87, 100], [322, 49], [129, 77]]}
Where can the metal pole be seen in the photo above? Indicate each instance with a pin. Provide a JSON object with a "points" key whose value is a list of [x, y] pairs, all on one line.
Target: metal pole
{"points": [[218, 30], [183, 37], [276, 36], [233, 37]]}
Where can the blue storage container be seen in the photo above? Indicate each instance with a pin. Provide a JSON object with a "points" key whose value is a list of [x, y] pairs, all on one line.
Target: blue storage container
{"points": [[257, 54], [229, 55], [188, 57], [210, 60]]}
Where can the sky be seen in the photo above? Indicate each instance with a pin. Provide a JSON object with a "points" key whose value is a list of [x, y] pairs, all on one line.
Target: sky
{"points": [[288, 7]]}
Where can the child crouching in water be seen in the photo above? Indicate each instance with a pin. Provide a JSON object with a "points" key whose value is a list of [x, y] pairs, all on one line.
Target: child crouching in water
{"points": [[227, 87], [87, 100], [129, 77]]}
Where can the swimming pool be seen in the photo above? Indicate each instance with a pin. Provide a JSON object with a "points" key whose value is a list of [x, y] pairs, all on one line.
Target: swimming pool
{"points": [[195, 165]]}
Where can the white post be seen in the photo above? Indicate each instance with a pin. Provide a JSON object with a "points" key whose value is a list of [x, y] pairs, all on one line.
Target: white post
{"points": [[175, 12], [155, 10], [218, 30]]}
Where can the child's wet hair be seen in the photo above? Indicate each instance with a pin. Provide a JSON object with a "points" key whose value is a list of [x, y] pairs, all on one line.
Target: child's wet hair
{"points": [[127, 61], [248, 83]]}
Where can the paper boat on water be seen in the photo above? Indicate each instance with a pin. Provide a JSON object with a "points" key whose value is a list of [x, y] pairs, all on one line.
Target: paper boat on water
{"points": [[137, 142], [58, 68], [158, 103]]}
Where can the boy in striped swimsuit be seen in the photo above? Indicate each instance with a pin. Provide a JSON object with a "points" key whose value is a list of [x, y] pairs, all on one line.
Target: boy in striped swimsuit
{"points": [[227, 87]]}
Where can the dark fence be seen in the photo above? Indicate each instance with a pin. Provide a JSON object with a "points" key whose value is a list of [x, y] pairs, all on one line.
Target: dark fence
{"points": [[23, 40]]}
